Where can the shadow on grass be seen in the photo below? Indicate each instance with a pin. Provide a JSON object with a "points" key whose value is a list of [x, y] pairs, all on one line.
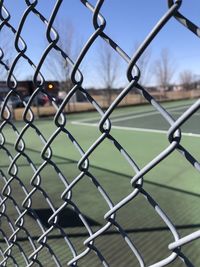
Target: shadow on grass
{"points": [[68, 161], [110, 232], [66, 218]]}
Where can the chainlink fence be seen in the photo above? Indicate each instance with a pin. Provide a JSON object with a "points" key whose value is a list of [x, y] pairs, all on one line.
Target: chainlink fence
{"points": [[25, 240]]}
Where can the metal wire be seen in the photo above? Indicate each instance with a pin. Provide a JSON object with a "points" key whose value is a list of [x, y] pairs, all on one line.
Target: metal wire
{"points": [[10, 236]]}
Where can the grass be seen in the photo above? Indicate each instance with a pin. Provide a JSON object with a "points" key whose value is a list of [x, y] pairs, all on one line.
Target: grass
{"points": [[173, 183]]}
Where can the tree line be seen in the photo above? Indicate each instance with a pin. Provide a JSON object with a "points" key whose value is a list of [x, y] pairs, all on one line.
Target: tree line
{"points": [[107, 64]]}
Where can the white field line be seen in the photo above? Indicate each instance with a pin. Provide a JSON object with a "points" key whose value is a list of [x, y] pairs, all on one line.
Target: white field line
{"points": [[142, 115], [132, 129], [127, 117], [180, 113]]}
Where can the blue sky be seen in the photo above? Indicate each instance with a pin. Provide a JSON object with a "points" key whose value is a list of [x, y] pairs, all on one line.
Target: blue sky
{"points": [[128, 22]]}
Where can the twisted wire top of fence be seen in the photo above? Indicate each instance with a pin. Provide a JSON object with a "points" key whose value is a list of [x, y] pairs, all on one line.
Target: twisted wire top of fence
{"points": [[23, 241]]}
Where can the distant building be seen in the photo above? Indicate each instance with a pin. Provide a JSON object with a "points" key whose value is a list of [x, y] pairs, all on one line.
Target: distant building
{"points": [[3, 89], [26, 88]]}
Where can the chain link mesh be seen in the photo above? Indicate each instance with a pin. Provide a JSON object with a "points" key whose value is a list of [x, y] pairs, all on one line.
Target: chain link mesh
{"points": [[29, 243]]}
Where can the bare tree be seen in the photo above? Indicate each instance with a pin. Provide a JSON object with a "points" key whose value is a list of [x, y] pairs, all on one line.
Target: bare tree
{"points": [[144, 64], [108, 69], [164, 69], [7, 53], [186, 79], [57, 64]]}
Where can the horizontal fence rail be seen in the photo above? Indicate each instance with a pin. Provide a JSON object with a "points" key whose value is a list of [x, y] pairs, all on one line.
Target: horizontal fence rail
{"points": [[29, 242]]}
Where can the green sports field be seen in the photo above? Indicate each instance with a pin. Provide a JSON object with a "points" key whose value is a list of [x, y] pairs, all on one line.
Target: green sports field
{"points": [[142, 132]]}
